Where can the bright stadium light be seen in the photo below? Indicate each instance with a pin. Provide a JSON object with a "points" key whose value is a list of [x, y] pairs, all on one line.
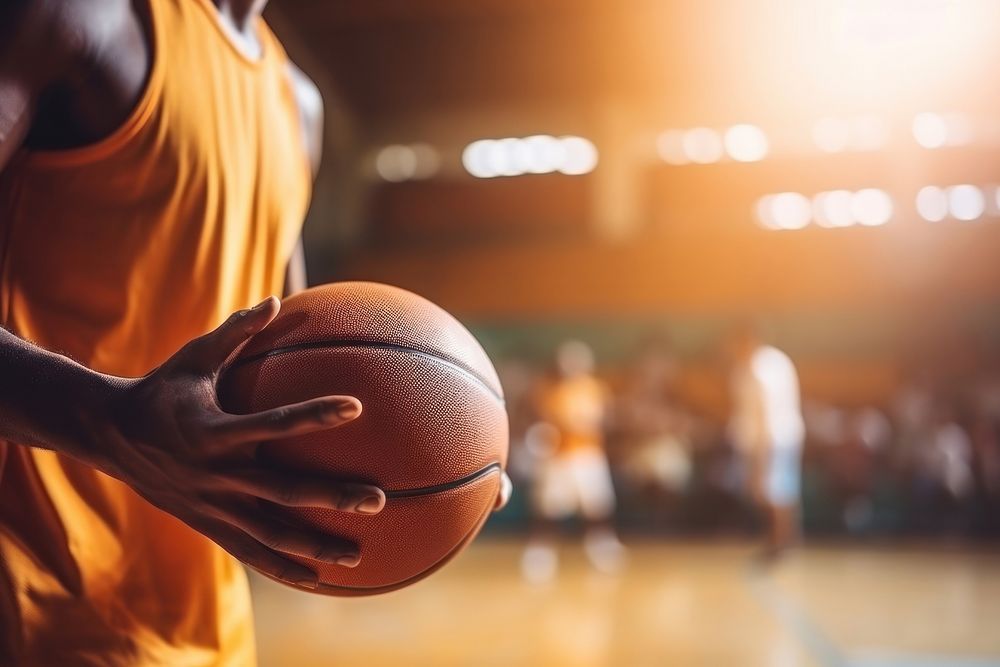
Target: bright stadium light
{"points": [[476, 158], [871, 207], [762, 211], [789, 210], [966, 202], [537, 154], [745, 143], [580, 156], [932, 203], [512, 157], [670, 147], [428, 161], [396, 163], [930, 130], [833, 209], [702, 145], [545, 153], [934, 130]]}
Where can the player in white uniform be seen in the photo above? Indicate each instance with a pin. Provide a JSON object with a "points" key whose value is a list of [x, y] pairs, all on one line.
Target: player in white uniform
{"points": [[572, 476], [768, 430]]}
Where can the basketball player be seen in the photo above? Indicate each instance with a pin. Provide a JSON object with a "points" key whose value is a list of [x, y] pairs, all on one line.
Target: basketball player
{"points": [[573, 477], [768, 430], [156, 159]]}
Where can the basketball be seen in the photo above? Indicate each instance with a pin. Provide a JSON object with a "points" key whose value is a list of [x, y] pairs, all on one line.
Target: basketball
{"points": [[433, 431]]}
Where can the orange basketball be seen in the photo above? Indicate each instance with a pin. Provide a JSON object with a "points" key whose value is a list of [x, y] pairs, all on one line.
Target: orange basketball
{"points": [[432, 433]]}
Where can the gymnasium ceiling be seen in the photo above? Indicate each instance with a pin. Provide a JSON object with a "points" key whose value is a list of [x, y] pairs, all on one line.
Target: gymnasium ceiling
{"points": [[700, 60], [425, 55]]}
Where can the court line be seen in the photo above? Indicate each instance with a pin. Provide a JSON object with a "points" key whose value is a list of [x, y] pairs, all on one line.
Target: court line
{"points": [[798, 623], [880, 658], [794, 618]]}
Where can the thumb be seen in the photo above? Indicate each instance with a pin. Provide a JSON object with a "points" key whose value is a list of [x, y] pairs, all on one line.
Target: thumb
{"points": [[207, 353]]}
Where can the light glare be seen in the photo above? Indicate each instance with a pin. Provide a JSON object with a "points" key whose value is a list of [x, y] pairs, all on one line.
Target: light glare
{"points": [[833, 209], [932, 203], [580, 156], [670, 147], [545, 153], [930, 130], [934, 130], [396, 163], [789, 210], [537, 154], [871, 207], [966, 202], [702, 145], [476, 159], [746, 143]]}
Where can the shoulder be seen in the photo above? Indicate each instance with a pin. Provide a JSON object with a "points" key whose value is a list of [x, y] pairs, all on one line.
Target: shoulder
{"points": [[306, 93], [43, 41], [769, 362], [310, 103]]}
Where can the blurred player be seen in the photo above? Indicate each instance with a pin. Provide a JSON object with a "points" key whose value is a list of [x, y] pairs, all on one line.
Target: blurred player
{"points": [[573, 477], [655, 430], [768, 430]]}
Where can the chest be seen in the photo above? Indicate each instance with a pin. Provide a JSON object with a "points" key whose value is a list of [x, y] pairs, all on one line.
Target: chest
{"points": [[240, 116]]}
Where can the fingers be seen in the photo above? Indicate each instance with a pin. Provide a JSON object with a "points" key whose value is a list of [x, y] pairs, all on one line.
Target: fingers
{"points": [[289, 420], [506, 489], [297, 492], [279, 536], [245, 548], [207, 353]]}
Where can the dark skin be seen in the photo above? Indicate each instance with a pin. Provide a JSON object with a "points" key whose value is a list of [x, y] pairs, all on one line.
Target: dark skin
{"points": [[71, 71]]}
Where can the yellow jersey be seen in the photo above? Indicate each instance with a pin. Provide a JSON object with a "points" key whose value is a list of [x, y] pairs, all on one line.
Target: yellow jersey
{"points": [[576, 407], [116, 254]]}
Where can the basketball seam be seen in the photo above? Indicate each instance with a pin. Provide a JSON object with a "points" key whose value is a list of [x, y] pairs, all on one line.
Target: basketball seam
{"points": [[446, 486], [434, 567], [338, 344]]}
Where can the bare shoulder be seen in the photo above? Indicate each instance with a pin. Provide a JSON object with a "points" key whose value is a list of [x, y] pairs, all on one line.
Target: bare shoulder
{"points": [[310, 103], [44, 41], [35, 38], [57, 28]]}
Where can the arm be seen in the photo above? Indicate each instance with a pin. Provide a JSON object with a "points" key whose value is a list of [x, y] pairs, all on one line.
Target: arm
{"points": [[166, 437], [295, 275], [761, 443], [310, 104], [163, 434]]}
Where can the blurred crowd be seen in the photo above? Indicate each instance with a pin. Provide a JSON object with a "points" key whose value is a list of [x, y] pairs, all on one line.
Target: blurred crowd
{"points": [[926, 463]]}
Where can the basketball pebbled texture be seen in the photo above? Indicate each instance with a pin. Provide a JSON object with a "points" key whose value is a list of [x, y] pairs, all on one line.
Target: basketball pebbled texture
{"points": [[432, 432]]}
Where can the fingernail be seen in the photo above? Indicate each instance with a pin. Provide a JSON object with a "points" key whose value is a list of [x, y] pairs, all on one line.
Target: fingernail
{"points": [[260, 306], [347, 409], [311, 584], [349, 561], [369, 505]]}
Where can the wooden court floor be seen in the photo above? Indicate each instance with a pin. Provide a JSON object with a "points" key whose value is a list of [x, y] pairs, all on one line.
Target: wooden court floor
{"points": [[676, 604]]}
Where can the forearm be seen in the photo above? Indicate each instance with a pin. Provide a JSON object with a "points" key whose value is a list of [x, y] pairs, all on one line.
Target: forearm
{"points": [[295, 274], [47, 400]]}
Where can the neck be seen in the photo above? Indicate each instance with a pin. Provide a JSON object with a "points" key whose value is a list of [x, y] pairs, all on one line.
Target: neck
{"points": [[241, 13]]}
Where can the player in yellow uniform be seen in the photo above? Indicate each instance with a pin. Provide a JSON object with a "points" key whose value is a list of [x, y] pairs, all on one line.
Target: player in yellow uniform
{"points": [[573, 477], [156, 162]]}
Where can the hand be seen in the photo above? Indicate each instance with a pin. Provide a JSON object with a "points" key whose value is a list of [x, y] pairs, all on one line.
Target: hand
{"points": [[506, 488], [173, 444]]}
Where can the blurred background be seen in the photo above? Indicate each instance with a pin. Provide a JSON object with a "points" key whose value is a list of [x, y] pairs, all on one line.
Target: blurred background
{"points": [[646, 177]]}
